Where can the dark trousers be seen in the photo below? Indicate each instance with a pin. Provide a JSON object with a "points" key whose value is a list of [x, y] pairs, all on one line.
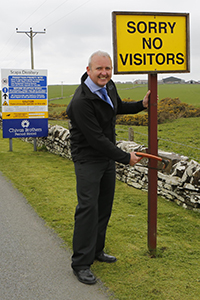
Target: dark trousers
{"points": [[95, 192]]}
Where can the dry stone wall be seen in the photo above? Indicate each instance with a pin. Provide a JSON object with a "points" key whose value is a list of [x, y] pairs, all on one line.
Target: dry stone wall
{"points": [[180, 182]]}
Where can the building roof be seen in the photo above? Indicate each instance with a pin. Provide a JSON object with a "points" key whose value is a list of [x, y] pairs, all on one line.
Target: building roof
{"points": [[172, 79]]}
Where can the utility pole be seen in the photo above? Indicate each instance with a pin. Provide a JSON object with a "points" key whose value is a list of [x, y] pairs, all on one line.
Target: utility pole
{"points": [[61, 89], [31, 35]]}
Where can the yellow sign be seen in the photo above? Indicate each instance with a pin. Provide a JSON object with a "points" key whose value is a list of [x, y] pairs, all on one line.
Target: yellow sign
{"points": [[27, 102], [24, 115], [150, 42]]}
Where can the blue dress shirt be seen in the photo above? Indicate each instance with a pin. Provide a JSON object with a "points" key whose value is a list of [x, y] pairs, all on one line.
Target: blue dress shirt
{"points": [[94, 88]]}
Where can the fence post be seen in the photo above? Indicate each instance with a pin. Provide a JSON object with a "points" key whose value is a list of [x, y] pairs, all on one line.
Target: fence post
{"points": [[130, 134]]}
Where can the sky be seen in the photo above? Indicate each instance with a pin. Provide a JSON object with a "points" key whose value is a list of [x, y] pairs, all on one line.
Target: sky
{"points": [[74, 29]]}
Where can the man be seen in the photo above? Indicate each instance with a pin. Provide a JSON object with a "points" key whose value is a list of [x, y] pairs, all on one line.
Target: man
{"points": [[94, 154]]}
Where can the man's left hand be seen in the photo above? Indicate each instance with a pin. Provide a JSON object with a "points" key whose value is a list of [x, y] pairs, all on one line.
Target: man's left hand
{"points": [[146, 99]]}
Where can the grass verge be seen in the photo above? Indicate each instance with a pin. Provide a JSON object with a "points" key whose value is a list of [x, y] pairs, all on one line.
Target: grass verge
{"points": [[48, 183]]}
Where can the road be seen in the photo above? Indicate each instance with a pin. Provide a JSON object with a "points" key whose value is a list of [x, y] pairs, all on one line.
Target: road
{"points": [[34, 264]]}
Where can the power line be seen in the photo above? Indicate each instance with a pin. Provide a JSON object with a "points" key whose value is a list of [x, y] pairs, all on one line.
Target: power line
{"points": [[7, 42], [20, 25], [70, 12], [32, 13], [43, 18], [12, 50], [51, 12]]}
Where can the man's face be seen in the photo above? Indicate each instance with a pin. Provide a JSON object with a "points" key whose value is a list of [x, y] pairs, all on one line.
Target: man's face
{"points": [[100, 70]]}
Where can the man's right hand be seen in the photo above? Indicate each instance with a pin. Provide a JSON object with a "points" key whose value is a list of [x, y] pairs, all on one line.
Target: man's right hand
{"points": [[133, 159]]}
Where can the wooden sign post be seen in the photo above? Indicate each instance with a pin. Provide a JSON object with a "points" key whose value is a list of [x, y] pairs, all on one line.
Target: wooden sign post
{"points": [[151, 43]]}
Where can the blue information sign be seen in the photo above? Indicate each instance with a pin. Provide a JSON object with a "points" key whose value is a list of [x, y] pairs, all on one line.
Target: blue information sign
{"points": [[27, 87], [24, 103], [21, 128]]}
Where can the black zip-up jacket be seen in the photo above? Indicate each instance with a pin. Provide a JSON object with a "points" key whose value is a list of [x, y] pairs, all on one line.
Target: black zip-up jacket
{"points": [[93, 124]]}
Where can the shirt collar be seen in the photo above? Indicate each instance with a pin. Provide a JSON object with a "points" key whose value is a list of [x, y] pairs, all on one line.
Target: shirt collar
{"points": [[91, 85]]}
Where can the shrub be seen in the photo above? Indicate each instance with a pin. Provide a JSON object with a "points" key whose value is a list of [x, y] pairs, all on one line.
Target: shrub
{"points": [[168, 109]]}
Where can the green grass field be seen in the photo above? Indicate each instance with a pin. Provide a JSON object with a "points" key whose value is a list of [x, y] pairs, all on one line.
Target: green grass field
{"points": [[174, 273], [57, 91], [48, 183], [188, 93], [181, 136]]}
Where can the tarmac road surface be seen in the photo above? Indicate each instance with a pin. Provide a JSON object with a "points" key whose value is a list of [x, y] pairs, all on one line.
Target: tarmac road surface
{"points": [[34, 265]]}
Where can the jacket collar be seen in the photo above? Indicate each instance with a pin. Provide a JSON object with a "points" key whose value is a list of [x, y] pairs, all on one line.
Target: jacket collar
{"points": [[86, 90]]}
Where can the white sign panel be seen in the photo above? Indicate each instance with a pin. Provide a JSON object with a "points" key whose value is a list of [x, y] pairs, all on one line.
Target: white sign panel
{"points": [[24, 103]]}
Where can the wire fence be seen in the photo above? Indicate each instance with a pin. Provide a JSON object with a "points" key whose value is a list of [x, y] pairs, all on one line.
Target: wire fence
{"points": [[131, 137]]}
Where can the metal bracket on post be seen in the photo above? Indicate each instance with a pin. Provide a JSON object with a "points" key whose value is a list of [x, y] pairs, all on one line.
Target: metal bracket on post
{"points": [[152, 172]]}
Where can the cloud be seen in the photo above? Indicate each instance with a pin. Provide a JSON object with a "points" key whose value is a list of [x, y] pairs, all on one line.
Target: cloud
{"points": [[74, 30]]}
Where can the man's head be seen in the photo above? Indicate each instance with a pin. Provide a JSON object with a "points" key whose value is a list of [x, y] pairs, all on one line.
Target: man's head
{"points": [[99, 68]]}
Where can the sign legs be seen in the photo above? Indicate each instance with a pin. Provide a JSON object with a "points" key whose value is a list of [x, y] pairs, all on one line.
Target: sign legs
{"points": [[34, 144], [10, 144]]}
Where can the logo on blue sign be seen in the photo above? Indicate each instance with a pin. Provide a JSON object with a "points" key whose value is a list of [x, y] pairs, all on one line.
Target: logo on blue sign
{"points": [[20, 128]]}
